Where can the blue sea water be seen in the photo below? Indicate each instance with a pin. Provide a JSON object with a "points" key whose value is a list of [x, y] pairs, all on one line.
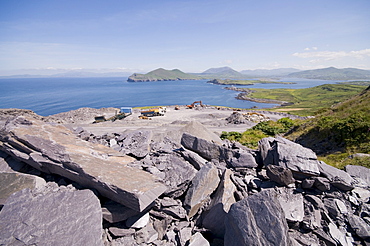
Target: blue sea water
{"points": [[48, 96]]}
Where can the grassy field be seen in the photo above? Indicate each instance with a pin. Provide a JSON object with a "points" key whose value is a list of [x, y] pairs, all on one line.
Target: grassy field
{"points": [[310, 100], [245, 82]]}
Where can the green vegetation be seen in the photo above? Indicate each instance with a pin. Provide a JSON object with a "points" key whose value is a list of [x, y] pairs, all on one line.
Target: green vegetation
{"points": [[161, 74], [339, 131], [309, 100], [264, 129], [334, 133], [245, 82]]}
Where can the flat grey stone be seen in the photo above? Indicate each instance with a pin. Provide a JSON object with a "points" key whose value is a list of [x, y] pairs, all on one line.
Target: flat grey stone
{"points": [[280, 175], [214, 217], [282, 152], [55, 149], [257, 220], [202, 186], [359, 172], [198, 240], [339, 178], [136, 143], [51, 217], [292, 204], [13, 182]]}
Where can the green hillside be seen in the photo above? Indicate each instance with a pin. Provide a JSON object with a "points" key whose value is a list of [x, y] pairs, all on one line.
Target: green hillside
{"points": [[338, 131], [309, 100], [161, 74]]}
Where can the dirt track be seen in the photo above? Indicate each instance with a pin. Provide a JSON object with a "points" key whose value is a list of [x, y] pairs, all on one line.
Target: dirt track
{"points": [[211, 117]]}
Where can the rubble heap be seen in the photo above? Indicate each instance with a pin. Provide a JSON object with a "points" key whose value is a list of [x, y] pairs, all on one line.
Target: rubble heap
{"points": [[75, 188]]}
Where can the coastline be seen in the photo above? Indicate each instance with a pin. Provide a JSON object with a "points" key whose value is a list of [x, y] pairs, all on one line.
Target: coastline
{"points": [[244, 96]]}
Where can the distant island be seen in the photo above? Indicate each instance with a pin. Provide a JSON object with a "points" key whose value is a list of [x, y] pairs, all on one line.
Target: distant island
{"points": [[245, 82], [161, 74]]}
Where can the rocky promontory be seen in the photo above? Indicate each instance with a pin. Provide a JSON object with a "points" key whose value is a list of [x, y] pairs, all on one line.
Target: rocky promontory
{"points": [[161, 74], [69, 186]]}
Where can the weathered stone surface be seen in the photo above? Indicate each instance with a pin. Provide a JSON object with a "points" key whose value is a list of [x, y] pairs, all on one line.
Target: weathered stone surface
{"points": [[338, 178], [198, 130], [54, 149], [338, 235], [196, 160], [202, 186], [115, 212], [13, 182], [51, 217], [204, 148], [220, 205], [136, 143], [178, 174], [121, 232], [292, 204], [241, 158], [198, 240], [359, 171], [361, 228], [249, 221], [321, 183], [287, 154], [280, 175]]}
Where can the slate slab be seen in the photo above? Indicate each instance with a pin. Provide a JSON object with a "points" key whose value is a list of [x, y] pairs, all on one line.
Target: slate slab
{"points": [[55, 149], [52, 216], [257, 220], [13, 182]]}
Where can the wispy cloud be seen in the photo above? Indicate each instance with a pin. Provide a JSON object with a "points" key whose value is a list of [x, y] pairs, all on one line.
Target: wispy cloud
{"points": [[332, 55]]}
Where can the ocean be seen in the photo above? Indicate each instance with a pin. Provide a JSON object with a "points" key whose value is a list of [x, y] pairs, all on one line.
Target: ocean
{"points": [[47, 96]]}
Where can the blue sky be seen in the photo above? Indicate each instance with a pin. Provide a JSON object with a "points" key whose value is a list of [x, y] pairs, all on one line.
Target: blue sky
{"points": [[192, 35]]}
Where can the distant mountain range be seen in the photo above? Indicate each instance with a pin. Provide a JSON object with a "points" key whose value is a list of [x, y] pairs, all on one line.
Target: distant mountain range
{"points": [[330, 73], [279, 72]]}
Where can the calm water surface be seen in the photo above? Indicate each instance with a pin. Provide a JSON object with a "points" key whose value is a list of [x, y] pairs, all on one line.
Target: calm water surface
{"points": [[48, 96]]}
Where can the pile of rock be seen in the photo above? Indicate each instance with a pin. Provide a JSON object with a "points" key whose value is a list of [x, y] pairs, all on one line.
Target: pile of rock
{"points": [[242, 118], [194, 191]]}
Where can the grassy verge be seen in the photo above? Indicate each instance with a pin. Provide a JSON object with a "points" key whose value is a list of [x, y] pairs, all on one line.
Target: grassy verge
{"points": [[309, 100]]}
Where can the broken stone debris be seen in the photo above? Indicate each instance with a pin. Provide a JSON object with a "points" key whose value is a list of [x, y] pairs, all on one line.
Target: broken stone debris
{"points": [[195, 195]]}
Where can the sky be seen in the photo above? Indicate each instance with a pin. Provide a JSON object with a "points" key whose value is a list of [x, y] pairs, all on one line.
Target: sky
{"points": [[191, 35]]}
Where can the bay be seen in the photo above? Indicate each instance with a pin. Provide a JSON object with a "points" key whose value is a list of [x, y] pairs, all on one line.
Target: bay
{"points": [[47, 96]]}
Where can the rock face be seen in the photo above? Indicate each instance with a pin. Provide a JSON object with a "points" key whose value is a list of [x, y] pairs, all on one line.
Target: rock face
{"points": [[54, 149], [43, 217], [249, 222], [282, 152]]}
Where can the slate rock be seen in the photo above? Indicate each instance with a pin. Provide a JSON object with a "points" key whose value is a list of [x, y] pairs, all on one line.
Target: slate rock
{"points": [[198, 130], [337, 177], [282, 152], [177, 173], [198, 240], [257, 220], [115, 212], [202, 186], [136, 143], [138, 221], [321, 183], [280, 175], [206, 149], [55, 149], [292, 204], [359, 172], [361, 228], [63, 216], [193, 158], [214, 217], [13, 182]]}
